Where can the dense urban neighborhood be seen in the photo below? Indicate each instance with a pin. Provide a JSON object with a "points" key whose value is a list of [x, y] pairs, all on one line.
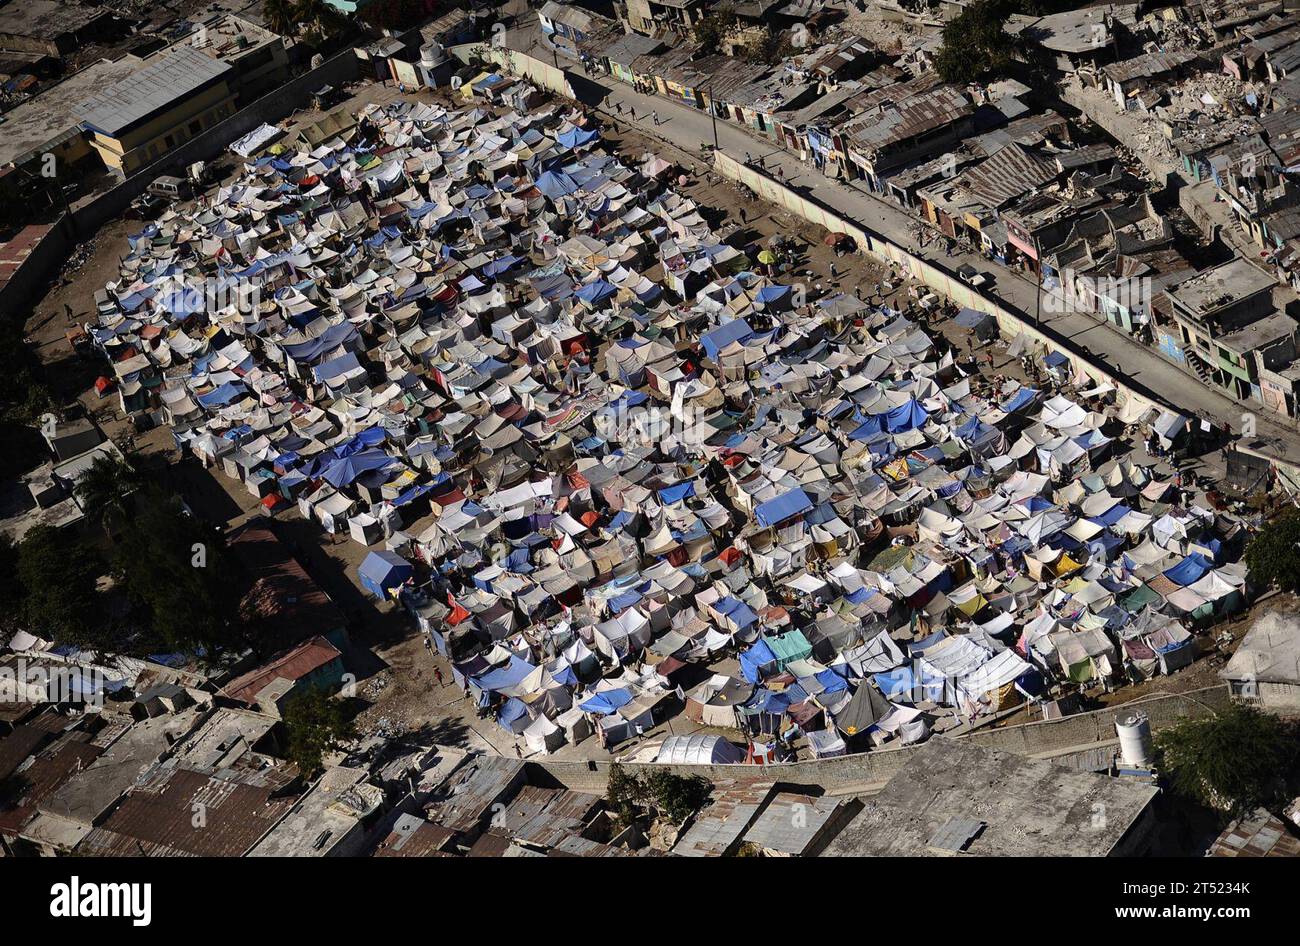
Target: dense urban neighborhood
{"points": [[682, 428]]}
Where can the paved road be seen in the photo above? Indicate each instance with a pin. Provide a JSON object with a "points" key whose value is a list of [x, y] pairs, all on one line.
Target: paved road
{"points": [[689, 129]]}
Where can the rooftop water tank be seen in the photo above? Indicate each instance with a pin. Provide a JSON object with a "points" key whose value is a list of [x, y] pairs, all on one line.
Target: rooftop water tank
{"points": [[1135, 747], [432, 54]]}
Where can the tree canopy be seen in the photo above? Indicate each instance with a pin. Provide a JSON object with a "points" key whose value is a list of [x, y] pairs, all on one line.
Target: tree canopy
{"points": [[676, 797], [57, 587], [179, 577], [1235, 761], [316, 724], [1273, 555], [104, 490], [975, 46]]}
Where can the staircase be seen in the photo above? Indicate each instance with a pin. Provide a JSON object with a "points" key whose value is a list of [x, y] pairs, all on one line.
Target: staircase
{"points": [[1199, 367]]}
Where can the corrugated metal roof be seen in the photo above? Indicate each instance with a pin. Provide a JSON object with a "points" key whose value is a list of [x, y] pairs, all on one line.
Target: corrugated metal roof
{"points": [[153, 88], [160, 818], [911, 117], [1010, 172], [791, 822], [719, 826]]}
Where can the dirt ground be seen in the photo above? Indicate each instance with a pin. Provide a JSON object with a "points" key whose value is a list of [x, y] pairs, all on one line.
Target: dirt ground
{"points": [[397, 689]]}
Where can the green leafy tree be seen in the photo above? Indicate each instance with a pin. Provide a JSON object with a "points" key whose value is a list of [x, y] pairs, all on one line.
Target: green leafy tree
{"points": [[59, 577], [315, 725], [24, 395], [975, 45], [677, 796], [773, 47], [1235, 761], [322, 22], [179, 577], [105, 489], [1273, 555], [12, 593], [623, 795]]}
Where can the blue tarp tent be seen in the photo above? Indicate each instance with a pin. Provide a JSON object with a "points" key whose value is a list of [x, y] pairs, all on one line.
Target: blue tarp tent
{"points": [[737, 330], [509, 674], [675, 494], [512, 712], [576, 137], [783, 507], [337, 367], [382, 572], [1190, 570], [905, 417], [737, 612], [607, 701], [328, 340], [345, 470], [1022, 398], [220, 397], [753, 661], [556, 184], [594, 293]]}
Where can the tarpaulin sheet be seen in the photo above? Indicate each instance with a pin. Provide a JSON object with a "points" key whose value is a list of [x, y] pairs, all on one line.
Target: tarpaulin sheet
{"points": [[783, 507]]}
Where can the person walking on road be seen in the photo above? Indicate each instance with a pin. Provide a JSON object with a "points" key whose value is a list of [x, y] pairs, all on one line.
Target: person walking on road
{"points": [[654, 118], [437, 675]]}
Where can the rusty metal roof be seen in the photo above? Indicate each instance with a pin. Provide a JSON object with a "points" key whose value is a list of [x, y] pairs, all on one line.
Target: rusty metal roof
{"points": [[181, 812], [412, 836], [894, 122], [294, 665], [1010, 172], [718, 828]]}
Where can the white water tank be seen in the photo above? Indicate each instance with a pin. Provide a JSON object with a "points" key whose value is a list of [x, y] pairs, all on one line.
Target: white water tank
{"points": [[1135, 747], [432, 54]]}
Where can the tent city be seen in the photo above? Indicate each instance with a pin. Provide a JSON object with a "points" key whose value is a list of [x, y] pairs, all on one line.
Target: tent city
{"points": [[688, 428]]}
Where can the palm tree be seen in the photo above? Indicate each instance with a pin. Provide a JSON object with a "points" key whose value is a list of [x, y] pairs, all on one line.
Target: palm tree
{"points": [[323, 21], [104, 488], [281, 16]]}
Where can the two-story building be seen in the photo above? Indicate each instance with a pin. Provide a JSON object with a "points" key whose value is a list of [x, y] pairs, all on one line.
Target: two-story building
{"points": [[143, 116], [1203, 320]]}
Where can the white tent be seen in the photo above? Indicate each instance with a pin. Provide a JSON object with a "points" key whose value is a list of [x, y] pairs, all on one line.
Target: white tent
{"points": [[543, 736], [699, 749]]}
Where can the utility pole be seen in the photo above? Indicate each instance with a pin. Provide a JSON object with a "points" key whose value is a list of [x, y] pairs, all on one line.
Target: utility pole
{"points": [[713, 113], [1038, 282]]}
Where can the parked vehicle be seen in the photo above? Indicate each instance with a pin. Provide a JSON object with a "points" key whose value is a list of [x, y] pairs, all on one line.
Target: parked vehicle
{"points": [[971, 276], [172, 188]]}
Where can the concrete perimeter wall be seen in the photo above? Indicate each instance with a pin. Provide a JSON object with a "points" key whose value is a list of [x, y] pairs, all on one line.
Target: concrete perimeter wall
{"points": [[1010, 324], [1070, 741], [544, 75]]}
